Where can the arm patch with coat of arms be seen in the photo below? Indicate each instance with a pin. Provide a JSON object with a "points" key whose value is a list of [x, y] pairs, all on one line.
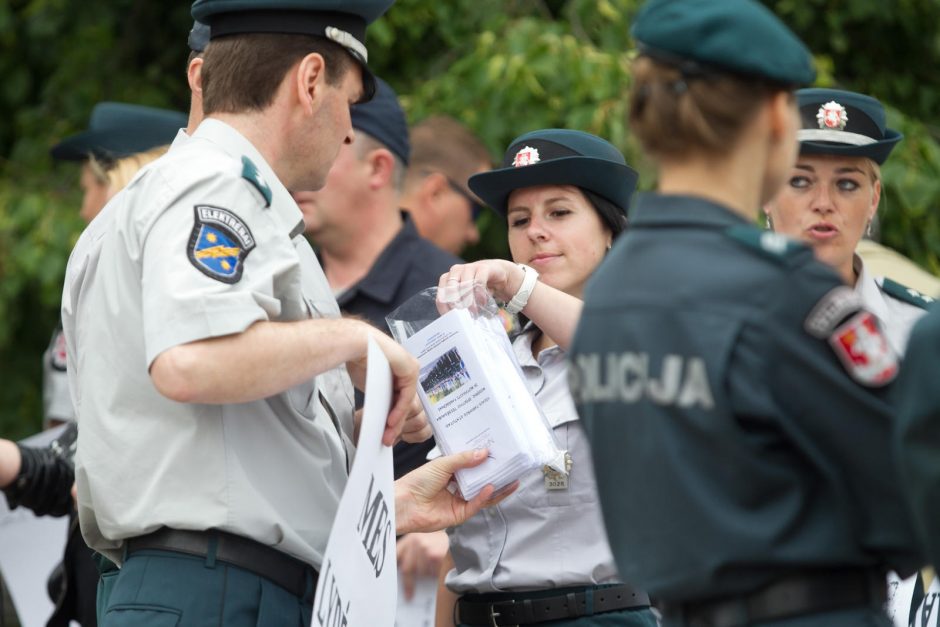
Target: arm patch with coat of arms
{"points": [[219, 243], [855, 336]]}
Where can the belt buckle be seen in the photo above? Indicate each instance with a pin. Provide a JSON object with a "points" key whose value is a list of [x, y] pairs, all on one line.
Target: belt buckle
{"points": [[494, 615]]}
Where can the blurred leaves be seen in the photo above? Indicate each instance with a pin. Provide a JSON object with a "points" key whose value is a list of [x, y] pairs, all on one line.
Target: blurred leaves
{"points": [[503, 67]]}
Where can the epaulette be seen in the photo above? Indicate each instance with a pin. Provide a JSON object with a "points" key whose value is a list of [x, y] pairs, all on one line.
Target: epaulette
{"points": [[769, 244], [251, 174], [905, 294]]}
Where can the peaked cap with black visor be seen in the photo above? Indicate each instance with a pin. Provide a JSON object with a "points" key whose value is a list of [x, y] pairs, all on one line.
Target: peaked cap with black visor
{"points": [[558, 157], [844, 123], [343, 22]]}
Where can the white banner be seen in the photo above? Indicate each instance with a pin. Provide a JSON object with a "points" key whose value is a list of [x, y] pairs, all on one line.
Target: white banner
{"points": [[418, 611], [901, 599], [358, 585]]}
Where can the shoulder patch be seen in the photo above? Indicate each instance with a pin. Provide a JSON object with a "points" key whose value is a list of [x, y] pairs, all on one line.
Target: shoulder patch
{"points": [[251, 174], [905, 293], [57, 355], [832, 309], [864, 350], [219, 243], [768, 243]]}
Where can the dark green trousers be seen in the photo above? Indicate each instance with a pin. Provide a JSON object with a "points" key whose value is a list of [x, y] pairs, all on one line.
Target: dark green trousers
{"points": [[641, 617], [854, 617], [166, 589]]}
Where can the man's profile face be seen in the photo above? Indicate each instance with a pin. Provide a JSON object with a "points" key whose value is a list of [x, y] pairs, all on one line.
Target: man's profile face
{"points": [[330, 127]]}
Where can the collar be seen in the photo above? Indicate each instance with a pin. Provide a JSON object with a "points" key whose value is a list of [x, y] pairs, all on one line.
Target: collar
{"points": [[236, 145], [667, 210], [867, 288], [522, 346], [181, 138], [389, 269]]}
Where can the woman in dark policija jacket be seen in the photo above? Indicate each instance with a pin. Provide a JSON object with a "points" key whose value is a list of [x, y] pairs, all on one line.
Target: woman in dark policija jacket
{"points": [[732, 386]]}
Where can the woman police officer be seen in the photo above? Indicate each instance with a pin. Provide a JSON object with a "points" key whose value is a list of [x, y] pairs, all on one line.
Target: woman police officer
{"points": [[729, 383], [828, 202], [832, 196], [542, 556]]}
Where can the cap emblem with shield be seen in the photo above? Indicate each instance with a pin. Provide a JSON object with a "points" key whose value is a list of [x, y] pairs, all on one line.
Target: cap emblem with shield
{"points": [[832, 115], [527, 156]]}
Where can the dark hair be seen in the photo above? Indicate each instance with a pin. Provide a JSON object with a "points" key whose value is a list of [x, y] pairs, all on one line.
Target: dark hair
{"points": [[243, 72], [613, 217], [673, 114]]}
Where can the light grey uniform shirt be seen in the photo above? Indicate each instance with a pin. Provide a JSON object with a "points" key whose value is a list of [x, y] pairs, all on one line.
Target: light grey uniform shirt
{"points": [[897, 318], [143, 278], [537, 538]]}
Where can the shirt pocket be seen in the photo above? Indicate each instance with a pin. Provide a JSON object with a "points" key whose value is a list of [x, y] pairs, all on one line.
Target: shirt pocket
{"points": [[532, 490]]}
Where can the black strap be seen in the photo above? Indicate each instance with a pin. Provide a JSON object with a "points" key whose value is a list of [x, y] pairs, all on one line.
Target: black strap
{"points": [[276, 566], [528, 609], [805, 593]]}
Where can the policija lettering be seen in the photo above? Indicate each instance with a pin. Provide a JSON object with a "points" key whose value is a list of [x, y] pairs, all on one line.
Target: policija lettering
{"points": [[626, 377], [375, 527]]}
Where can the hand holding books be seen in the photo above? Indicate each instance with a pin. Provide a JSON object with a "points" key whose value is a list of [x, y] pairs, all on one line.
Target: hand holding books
{"points": [[471, 386]]}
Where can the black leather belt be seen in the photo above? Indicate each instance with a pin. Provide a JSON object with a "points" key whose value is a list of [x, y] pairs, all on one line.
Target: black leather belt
{"points": [[808, 593], [276, 566], [523, 609]]}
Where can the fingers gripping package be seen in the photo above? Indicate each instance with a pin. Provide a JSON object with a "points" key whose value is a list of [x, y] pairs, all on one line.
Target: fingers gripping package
{"points": [[472, 387]]}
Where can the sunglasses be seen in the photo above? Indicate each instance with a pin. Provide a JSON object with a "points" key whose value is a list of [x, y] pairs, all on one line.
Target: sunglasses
{"points": [[476, 208]]}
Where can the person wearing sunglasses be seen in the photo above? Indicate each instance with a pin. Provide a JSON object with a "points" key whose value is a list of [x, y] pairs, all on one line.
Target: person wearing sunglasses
{"points": [[371, 253], [444, 154]]}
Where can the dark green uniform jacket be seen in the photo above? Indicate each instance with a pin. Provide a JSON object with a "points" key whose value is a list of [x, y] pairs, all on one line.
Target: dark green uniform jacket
{"points": [[918, 403], [731, 444]]}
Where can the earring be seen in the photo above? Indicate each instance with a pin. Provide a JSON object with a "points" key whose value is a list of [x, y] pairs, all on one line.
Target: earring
{"points": [[768, 223], [868, 229]]}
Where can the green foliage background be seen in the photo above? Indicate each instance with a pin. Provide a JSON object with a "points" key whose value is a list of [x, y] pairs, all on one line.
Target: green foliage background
{"points": [[502, 66]]}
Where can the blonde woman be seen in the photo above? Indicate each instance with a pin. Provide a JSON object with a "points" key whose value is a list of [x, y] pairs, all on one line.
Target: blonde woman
{"points": [[120, 173], [829, 202]]}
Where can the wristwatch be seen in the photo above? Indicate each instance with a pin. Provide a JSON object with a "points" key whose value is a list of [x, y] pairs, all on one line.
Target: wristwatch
{"points": [[521, 297]]}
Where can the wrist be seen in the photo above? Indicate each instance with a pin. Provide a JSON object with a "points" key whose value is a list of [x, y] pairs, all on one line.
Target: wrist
{"points": [[10, 462], [521, 296], [401, 508], [356, 334]]}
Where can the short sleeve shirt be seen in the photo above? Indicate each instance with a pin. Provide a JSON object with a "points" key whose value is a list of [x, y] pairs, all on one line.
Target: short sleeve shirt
{"points": [[203, 243], [408, 265], [538, 538]]}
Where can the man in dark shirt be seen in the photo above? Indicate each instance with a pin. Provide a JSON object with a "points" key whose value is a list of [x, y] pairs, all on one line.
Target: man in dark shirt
{"points": [[374, 259], [371, 252]]}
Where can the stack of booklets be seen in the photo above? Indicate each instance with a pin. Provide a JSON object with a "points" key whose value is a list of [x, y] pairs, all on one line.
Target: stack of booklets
{"points": [[475, 396]]}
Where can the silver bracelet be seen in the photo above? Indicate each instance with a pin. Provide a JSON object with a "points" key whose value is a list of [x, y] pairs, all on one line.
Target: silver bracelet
{"points": [[519, 300]]}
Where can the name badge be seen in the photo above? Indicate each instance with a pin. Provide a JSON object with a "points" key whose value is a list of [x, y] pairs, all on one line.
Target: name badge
{"points": [[555, 480]]}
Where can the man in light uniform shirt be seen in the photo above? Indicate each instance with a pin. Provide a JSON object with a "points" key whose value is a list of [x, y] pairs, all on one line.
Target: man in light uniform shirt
{"points": [[208, 360]]}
